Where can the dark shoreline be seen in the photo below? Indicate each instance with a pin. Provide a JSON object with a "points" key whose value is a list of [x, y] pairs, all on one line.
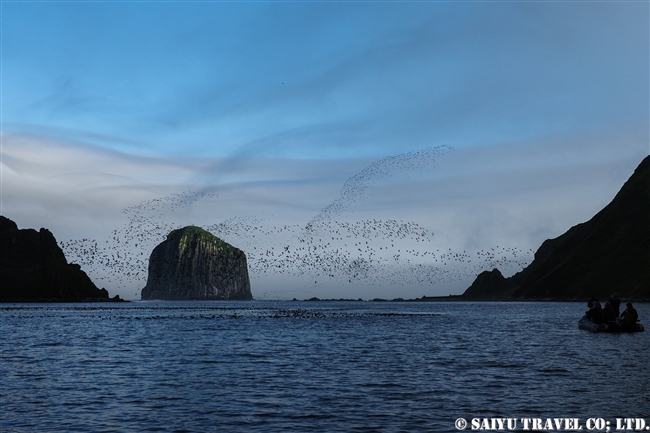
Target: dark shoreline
{"points": [[449, 298], [115, 299], [461, 298]]}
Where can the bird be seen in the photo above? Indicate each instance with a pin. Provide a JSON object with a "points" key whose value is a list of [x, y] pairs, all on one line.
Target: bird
{"points": [[325, 247]]}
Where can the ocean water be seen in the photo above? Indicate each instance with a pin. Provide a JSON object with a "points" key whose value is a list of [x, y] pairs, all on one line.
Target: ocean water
{"points": [[310, 366]]}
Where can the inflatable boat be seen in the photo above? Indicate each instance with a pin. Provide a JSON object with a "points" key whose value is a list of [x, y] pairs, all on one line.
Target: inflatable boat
{"points": [[617, 326]]}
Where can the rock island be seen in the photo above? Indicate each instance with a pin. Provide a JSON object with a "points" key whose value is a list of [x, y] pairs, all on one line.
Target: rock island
{"points": [[193, 264]]}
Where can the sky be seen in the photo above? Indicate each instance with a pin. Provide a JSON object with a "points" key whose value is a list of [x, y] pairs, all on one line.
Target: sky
{"points": [[351, 149]]}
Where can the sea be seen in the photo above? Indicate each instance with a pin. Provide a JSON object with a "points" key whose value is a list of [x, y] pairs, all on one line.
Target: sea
{"points": [[306, 366]]}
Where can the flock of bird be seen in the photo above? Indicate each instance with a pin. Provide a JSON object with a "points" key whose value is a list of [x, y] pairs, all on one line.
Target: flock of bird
{"points": [[327, 249], [356, 188]]}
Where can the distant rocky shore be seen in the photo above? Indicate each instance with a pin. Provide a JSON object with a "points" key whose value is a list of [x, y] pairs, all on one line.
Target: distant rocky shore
{"points": [[34, 269], [458, 298], [609, 253]]}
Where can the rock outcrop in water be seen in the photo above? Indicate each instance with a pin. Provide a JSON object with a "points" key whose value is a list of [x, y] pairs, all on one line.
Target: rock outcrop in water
{"points": [[34, 268], [194, 264], [609, 253]]}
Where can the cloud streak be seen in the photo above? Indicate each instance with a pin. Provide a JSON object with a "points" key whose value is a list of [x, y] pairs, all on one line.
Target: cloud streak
{"points": [[413, 227]]}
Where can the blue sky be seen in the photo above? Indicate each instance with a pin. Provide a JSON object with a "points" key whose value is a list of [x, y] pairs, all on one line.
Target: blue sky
{"points": [[318, 80], [129, 101]]}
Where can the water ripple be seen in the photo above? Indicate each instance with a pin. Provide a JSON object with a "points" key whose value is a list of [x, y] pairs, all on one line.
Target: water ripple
{"points": [[336, 367]]}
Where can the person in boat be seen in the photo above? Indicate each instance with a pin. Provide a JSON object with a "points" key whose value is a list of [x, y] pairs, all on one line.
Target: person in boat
{"points": [[595, 310], [590, 302], [609, 315], [630, 316], [615, 303]]}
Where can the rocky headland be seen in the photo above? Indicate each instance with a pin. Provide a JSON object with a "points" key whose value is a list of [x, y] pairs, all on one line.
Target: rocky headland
{"points": [[609, 253], [34, 269], [193, 264]]}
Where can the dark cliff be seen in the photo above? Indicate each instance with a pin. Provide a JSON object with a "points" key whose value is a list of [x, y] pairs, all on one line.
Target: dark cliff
{"points": [[34, 268], [194, 264], [609, 253]]}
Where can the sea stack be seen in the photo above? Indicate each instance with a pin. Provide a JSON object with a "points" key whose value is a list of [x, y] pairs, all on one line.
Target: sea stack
{"points": [[193, 264]]}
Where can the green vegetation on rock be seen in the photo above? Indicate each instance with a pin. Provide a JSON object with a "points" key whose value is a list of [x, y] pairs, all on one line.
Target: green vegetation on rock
{"points": [[189, 234]]}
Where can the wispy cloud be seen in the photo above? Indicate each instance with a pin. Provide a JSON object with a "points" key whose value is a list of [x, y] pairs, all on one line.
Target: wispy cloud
{"points": [[467, 200]]}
